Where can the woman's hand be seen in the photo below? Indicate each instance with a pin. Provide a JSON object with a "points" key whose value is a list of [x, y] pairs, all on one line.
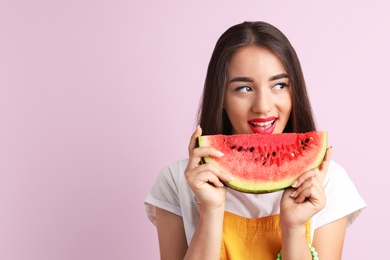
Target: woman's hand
{"points": [[204, 179], [306, 198]]}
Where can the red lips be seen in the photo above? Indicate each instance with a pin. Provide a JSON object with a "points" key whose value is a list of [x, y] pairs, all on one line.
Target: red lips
{"points": [[262, 125]]}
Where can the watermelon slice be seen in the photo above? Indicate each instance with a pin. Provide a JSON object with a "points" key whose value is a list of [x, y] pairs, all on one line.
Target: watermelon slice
{"points": [[262, 163]]}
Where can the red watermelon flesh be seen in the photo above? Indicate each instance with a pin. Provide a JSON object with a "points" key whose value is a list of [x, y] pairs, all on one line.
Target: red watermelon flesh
{"points": [[262, 163]]}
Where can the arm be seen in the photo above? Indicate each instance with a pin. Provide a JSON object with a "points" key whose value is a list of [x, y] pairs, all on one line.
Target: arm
{"points": [[204, 181], [301, 203], [171, 236], [205, 244], [329, 239]]}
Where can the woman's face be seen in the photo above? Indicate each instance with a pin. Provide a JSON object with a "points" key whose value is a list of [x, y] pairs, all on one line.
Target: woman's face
{"points": [[258, 94]]}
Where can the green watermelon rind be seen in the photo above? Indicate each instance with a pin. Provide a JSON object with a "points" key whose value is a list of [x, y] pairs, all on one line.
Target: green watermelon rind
{"points": [[258, 188]]}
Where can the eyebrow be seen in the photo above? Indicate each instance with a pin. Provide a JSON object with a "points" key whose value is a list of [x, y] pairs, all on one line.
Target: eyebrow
{"points": [[248, 79], [279, 76], [241, 79]]}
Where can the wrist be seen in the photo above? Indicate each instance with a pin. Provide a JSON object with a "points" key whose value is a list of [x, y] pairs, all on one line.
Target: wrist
{"points": [[293, 230], [313, 252], [295, 241], [212, 210]]}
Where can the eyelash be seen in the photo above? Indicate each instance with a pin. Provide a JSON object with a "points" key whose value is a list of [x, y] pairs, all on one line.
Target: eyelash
{"points": [[282, 84], [249, 88], [241, 88]]}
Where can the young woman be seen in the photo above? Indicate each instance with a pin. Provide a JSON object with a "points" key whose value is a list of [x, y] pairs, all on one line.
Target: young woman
{"points": [[254, 84]]}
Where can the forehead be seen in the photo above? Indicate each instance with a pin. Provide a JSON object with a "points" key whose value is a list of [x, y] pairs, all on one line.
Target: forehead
{"points": [[253, 60]]}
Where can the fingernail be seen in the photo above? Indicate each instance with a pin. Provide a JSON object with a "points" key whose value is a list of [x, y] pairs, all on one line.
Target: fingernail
{"points": [[294, 185], [293, 194], [219, 153], [230, 178]]}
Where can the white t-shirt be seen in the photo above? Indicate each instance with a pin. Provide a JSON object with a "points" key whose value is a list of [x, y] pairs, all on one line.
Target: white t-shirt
{"points": [[172, 193]]}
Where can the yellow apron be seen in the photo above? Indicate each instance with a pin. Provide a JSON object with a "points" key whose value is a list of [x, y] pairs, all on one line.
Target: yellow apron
{"points": [[252, 238]]}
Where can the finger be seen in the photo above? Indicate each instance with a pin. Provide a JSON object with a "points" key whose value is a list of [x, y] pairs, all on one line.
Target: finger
{"points": [[325, 162], [310, 192], [305, 185], [215, 170], [304, 195], [201, 177], [322, 168], [200, 152], [313, 197], [197, 153], [193, 162], [305, 176], [209, 177], [206, 151], [194, 138]]}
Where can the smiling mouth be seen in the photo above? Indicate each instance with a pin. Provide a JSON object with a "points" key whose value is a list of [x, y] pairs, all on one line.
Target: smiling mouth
{"points": [[262, 124]]}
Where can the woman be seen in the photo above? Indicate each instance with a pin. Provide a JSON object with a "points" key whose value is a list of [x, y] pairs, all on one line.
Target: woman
{"points": [[254, 84]]}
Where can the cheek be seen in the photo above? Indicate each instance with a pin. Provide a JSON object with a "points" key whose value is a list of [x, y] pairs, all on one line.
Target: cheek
{"points": [[232, 113], [235, 111], [231, 106], [285, 106]]}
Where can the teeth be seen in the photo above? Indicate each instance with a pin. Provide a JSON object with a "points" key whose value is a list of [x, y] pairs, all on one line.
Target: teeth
{"points": [[263, 123]]}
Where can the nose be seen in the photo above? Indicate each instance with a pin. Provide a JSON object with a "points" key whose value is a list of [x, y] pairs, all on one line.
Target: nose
{"points": [[262, 102]]}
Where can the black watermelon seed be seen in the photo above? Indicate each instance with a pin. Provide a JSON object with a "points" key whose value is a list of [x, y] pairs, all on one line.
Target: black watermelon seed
{"points": [[239, 148], [234, 146], [252, 149], [274, 153]]}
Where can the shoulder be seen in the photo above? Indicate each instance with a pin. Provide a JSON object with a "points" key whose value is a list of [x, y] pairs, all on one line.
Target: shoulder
{"points": [[342, 197], [173, 171], [337, 176], [337, 182], [335, 170], [178, 165], [165, 192]]}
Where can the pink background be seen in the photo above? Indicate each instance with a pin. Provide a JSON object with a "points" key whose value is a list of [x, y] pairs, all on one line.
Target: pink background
{"points": [[97, 96]]}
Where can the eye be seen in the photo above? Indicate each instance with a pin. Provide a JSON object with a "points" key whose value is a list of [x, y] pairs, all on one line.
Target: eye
{"points": [[280, 86], [244, 89]]}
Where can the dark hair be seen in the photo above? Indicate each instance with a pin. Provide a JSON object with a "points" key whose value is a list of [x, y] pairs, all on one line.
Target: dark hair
{"points": [[212, 117]]}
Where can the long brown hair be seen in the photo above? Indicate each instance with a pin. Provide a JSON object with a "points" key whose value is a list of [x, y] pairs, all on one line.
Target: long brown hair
{"points": [[212, 117]]}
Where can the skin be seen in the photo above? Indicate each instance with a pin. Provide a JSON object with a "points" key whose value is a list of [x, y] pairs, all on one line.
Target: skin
{"points": [[251, 92], [257, 93]]}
